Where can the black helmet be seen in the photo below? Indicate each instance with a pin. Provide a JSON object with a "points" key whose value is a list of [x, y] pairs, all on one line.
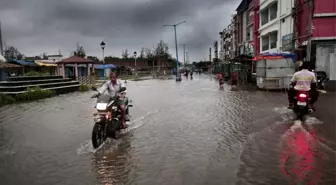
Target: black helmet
{"points": [[305, 65]]}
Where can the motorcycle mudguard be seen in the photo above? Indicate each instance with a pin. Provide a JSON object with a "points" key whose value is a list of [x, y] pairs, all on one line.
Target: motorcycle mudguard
{"points": [[301, 107]]}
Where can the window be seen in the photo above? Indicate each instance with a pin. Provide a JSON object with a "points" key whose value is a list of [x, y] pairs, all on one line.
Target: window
{"points": [[264, 17], [265, 42], [273, 11], [273, 37]]}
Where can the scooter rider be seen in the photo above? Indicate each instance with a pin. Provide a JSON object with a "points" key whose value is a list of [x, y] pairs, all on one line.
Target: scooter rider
{"points": [[112, 87], [303, 80]]}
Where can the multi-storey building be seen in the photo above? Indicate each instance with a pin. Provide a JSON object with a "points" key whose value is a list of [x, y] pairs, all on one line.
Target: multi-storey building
{"points": [[256, 35], [276, 26], [315, 35], [245, 27], [228, 41]]}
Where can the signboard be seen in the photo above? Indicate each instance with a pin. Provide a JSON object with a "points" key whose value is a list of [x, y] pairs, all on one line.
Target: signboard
{"points": [[249, 49], [287, 42]]}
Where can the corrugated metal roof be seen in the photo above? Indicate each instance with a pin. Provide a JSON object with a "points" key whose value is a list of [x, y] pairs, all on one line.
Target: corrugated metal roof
{"points": [[75, 59], [23, 62], [8, 65]]}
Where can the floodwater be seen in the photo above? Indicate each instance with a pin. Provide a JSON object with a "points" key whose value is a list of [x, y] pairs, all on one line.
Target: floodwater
{"points": [[181, 133]]}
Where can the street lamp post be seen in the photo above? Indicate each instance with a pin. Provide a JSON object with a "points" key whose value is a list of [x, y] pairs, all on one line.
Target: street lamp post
{"points": [[178, 76], [135, 64], [102, 45]]}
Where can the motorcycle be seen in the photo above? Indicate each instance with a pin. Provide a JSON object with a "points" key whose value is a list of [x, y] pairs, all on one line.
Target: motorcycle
{"points": [[108, 119], [301, 105], [321, 78]]}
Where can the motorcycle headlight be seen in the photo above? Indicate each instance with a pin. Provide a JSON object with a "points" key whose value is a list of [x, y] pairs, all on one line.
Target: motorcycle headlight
{"points": [[101, 106]]}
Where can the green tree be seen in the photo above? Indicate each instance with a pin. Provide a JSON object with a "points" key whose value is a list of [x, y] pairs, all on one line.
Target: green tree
{"points": [[125, 54], [12, 52], [44, 56], [142, 53], [93, 58], [80, 51], [149, 54], [162, 50]]}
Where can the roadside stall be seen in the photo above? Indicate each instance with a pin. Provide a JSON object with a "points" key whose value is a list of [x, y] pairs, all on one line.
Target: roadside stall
{"points": [[275, 70]]}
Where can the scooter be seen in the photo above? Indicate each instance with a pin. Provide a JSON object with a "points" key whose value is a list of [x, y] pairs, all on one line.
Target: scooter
{"points": [[301, 108]]}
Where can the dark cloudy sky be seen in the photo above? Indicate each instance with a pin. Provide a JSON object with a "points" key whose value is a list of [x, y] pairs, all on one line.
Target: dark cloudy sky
{"points": [[37, 26]]}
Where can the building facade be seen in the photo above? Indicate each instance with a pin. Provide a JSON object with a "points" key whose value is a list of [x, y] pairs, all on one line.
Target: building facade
{"points": [[315, 35], [246, 28], [228, 41], [256, 34]]}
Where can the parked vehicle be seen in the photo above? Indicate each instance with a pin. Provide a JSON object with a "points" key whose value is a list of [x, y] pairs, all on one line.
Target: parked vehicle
{"points": [[321, 78]]}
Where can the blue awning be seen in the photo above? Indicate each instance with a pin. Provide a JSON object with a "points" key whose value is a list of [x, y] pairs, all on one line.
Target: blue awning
{"points": [[107, 66], [23, 63]]}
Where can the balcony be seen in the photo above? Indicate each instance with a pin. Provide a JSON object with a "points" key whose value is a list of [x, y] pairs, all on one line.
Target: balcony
{"points": [[269, 13]]}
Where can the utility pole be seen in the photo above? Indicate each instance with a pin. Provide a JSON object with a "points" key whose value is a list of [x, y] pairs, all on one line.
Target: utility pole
{"points": [[178, 75], [210, 54], [295, 24], [1, 44], [309, 47], [184, 56]]}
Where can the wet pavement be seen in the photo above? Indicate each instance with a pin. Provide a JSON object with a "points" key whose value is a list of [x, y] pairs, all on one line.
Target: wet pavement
{"points": [[181, 133]]}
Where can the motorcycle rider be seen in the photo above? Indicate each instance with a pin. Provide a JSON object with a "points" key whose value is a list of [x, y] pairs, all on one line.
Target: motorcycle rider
{"points": [[220, 79], [303, 80], [112, 87]]}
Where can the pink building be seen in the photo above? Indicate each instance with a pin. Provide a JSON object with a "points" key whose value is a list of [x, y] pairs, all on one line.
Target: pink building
{"points": [[245, 28], [321, 15], [256, 33]]}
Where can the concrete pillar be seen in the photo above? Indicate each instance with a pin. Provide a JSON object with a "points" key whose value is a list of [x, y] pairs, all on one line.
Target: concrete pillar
{"points": [[92, 68], [88, 68], [63, 70], [76, 71]]}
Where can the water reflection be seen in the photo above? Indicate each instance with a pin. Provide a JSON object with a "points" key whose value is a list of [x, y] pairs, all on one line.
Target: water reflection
{"points": [[112, 164], [299, 157]]}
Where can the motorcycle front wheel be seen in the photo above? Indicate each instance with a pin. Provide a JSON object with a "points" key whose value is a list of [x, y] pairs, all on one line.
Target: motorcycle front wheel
{"points": [[98, 135], [112, 129]]}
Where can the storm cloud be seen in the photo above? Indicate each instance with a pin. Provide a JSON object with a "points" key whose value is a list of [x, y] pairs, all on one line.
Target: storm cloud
{"points": [[37, 26]]}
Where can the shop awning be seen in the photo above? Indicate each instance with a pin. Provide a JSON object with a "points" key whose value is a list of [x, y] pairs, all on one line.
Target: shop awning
{"points": [[273, 56], [107, 66], [41, 63]]}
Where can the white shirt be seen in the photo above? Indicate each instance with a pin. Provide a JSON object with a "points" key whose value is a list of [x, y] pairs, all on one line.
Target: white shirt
{"points": [[303, 80], [110, 88]]}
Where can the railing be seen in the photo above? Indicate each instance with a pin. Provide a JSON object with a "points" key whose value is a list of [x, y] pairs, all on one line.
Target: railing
{"points": [[87, 80]]}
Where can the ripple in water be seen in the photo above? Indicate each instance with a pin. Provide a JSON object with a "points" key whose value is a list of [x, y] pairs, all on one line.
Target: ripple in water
{"points": [[86, 147]]}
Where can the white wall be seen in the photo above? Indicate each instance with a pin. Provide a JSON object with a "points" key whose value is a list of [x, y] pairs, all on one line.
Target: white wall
{"points": [[286, 20], [325, 60]]}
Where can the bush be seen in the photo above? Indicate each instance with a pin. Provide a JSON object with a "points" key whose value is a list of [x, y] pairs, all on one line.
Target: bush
{"points": [[35, 73], [84, 88], [34, 93], [5, 99]]}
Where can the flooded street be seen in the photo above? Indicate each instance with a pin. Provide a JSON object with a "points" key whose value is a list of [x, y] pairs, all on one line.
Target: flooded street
{"points": [[181, 133]]}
